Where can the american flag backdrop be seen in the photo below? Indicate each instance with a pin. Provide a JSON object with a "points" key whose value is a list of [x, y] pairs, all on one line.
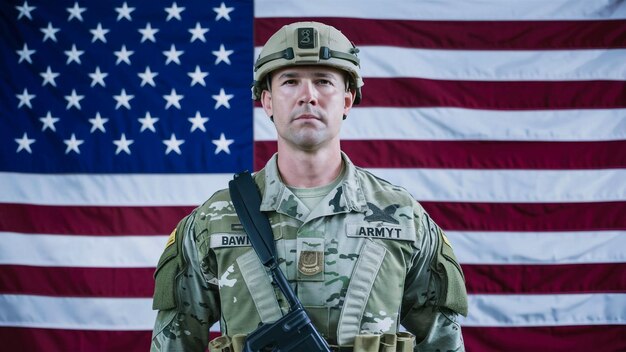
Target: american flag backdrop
{"points": [[506, 120]]}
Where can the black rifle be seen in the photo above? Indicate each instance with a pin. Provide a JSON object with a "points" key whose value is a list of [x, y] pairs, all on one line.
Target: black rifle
{"points": [[294, 331]]}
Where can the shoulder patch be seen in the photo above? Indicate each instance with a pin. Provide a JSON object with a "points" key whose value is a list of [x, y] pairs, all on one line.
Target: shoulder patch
{"points": [[172, 239], [170, 264], [454, 293], [445, 239]]}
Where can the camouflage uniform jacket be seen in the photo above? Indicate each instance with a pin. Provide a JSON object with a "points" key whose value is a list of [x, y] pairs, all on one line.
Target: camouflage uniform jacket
{"points": [[365, 260]]}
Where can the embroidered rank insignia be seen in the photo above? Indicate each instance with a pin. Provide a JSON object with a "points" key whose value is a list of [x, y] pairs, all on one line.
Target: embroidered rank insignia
{"points": [[445, 239], [171, 239], [311, 262]]}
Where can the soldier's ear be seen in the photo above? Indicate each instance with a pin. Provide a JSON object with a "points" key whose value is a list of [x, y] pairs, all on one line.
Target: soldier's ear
{"points": [[266, 102], [348, 102]]}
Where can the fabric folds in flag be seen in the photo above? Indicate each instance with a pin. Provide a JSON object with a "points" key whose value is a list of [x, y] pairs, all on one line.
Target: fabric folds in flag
{"points": [[507, 123], [118, 118]]}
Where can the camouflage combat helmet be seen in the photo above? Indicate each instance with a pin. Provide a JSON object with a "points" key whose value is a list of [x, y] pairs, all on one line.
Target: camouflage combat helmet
{"points": [[307, 43]]}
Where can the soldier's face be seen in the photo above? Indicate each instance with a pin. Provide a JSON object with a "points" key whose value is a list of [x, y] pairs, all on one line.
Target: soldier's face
{"points": [[308, 104]]}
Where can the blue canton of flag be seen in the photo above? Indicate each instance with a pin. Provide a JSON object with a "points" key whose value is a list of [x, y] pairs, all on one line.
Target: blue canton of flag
{"points": [[126, 86]]}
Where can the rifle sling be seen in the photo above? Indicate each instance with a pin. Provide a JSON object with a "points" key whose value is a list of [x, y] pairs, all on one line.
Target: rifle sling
{"points": [[247, 202]]}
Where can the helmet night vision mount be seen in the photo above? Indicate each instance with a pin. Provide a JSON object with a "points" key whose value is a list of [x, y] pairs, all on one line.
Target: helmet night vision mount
{"points": [[308, 43]]}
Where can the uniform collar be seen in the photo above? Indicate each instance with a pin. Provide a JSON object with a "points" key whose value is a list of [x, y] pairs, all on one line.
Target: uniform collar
{"points": [[347, 197]]}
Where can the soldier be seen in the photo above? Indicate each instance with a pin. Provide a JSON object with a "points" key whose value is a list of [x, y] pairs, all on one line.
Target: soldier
{"points": [[362, 255]]}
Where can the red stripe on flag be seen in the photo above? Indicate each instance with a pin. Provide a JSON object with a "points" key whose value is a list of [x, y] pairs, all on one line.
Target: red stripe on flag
{"points": [[463, 216], [545, 279], [468, 35], [450, 215], [546, 338], [60, 340], [91, 220], [501, 95], [406, 92], [77, 282], [483, 339], [480, 279], [473, 154]]}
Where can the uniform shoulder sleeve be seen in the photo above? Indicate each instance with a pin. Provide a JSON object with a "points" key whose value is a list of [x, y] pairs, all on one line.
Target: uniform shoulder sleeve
{"points": [[434, 289], [436, 262], [169, 266], [187, 302]]}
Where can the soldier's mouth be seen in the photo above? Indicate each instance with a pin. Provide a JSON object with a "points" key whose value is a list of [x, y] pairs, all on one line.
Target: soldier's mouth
{"points": [[307, 117]]}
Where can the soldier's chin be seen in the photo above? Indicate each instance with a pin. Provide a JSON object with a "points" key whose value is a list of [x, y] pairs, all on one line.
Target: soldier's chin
{"points": [[308, 141]]}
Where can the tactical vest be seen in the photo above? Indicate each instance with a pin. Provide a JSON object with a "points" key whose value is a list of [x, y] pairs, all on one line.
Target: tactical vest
{"points": [[365, 259], [347, 263]]}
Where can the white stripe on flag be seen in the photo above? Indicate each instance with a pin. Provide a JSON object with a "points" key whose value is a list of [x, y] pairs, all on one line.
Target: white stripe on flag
{"points": [[490, 10], [483, 65], [491, 248], [485, 310], [534, 186], [114, 190], [81, 251], [471, 124], [78, 313], [511, 186], [561, 247], [546, 310]]}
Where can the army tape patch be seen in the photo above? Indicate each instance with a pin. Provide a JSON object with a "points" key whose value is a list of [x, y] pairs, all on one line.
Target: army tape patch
{"points": [[381, 231]]}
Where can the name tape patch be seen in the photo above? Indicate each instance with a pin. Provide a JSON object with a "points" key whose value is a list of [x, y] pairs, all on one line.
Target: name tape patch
{"points": [[382, 232], [219, 240]]}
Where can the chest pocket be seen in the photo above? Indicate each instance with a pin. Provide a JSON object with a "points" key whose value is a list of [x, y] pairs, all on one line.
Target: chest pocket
{"points": [[310, 254]]}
